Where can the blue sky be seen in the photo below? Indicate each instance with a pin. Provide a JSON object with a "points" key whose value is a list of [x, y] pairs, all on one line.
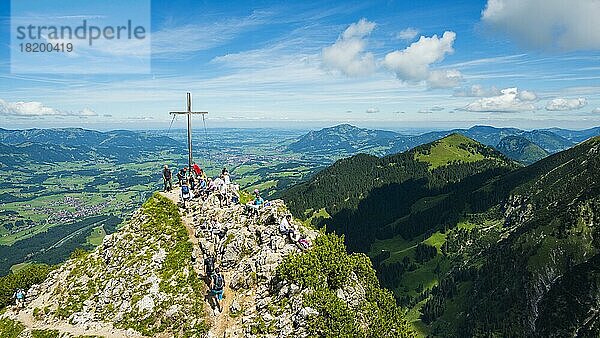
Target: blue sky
{"points": [[392, 64]]}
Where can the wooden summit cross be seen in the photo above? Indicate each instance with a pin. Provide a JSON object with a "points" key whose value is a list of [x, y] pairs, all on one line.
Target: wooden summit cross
{"points": [[189, 113]]}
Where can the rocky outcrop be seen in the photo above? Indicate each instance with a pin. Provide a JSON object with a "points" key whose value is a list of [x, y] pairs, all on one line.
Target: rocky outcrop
{"points": [[141, 281], [148, 280], [248, 248]]}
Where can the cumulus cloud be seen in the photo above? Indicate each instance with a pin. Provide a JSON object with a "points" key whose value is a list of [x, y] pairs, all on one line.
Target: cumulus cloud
{"points": [[480, 91], [348, 54], [510, 100], [561, 104], [547, 24], [36, 109], [407, 34], [372, 110], [413, 63]]}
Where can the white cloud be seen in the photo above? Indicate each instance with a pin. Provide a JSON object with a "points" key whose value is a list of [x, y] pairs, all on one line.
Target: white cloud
{"points": [[348, 54], [567, 25], [526, 95], [412, 64], [36, 109], [510, 100], [596, 111], [372, 110], [444, 78], [477, 91], [561, 104], [175, 41], [407, 34], [358, 29]]}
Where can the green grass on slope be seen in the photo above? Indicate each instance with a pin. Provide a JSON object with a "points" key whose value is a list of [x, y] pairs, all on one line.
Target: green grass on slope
{"points": [[161, 228], [448, 150], [9, 328], [327, 267], [96, 236], [425, 275]]}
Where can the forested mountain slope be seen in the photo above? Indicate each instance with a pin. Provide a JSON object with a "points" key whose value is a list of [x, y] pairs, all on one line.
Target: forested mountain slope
{"points": [[521, 149], [365, 194], [503, 252], [538, 275]]}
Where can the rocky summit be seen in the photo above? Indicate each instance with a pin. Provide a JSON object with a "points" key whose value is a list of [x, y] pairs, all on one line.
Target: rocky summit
{"points": [[148, 280]]}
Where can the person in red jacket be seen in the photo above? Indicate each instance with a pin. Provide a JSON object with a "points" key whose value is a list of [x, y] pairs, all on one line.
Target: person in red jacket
{"points": [[197, 170]]}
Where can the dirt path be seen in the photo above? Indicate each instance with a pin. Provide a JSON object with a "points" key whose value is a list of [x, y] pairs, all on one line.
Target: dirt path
{"points": [[219, 321], [106, 331]]}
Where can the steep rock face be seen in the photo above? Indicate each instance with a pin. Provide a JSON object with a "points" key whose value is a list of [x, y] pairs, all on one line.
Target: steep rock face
{"points": [[275, 289], [248, 251]]}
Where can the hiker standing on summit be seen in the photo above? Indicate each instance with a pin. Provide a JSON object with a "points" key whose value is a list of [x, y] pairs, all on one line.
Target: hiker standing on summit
{"points": [[167, 178]]}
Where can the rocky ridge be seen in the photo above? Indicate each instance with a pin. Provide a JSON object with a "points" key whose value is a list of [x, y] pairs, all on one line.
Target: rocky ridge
{"points": [[147, 280]]}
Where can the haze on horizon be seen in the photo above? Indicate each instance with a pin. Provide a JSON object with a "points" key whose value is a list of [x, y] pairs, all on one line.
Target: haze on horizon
{"points": [[388, 65]]}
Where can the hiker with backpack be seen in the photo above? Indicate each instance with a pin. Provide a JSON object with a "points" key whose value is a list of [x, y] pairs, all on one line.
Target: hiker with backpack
{"points": [[186, 193], [223, 194], [192, 183], [167, 178], [209, 266], [181, 175], [202, 189], [235, 194], [256, 204], [303, 243], [217, 284], [19, 297]]}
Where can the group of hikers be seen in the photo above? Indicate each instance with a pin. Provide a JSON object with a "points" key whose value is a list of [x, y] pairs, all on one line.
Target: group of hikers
{"points": [[216, 232], [194, 183]]}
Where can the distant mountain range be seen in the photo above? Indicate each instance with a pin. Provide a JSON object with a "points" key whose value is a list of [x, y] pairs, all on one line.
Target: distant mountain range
{"points": [[345, 140], [75, 144]]}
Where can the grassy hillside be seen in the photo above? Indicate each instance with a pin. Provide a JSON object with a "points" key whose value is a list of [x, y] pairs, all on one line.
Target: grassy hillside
{"points": [[454, 148]]}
